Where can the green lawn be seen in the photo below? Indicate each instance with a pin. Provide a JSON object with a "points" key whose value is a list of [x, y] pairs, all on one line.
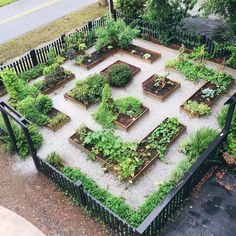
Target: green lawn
{"points": [[5, 2]]}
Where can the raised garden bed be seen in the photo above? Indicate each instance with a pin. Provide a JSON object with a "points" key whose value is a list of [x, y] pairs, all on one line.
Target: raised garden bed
{"points": [[159, 93], [52, 115], [125, 122], [143, 152], [134, 69], [57, 83], [90, 61], [197, 97], [141, 53], [82, 105]]}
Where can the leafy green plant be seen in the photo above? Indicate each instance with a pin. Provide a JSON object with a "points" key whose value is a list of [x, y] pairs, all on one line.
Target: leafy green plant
{"points": [[55, 160], [161, 81], [33, 73], [21, 143], [208, 93], [146, 56], [129, 105], [196, 108], [199, 54], [221, 118], [35, 109], [79, 59], [54, 58], [105, 113], [114, 33], [57, 120], [198, 142], [119, 75], [89, 90]]}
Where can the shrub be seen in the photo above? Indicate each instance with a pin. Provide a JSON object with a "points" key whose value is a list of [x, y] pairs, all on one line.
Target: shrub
{"points": [[129, 105], [79, 59], [33, 73], [105, 113], [221, 118], [51, 71], [55, 160], [35, 109], [198, 142], [119, 75], [54, 58], [89, 90], [22, 145], [114, 33]]}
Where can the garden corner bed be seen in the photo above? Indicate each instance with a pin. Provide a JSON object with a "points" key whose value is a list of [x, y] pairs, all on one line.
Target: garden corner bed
{"points": [[137, 157], [57, 120], [158, 89]]}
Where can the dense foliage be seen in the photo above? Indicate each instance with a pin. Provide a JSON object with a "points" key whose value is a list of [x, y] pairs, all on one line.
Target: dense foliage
{"points": [[89, 90], [119, 75], [114, 33], [21, 144], [131, 8], [55, 160], [33, 73], [196, 108]]}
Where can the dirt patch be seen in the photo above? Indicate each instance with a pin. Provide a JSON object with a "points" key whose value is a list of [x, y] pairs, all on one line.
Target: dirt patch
{"points": [[38, 200]]}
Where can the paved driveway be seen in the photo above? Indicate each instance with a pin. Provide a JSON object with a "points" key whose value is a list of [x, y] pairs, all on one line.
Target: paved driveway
{"points": [[25, 15]]}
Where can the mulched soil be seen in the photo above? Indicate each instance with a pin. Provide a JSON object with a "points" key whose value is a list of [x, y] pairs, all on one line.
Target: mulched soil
{"points": [[38, 200]]}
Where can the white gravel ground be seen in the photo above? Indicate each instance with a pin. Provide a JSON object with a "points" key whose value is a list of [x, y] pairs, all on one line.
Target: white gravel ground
{"points": [[134, 194]]}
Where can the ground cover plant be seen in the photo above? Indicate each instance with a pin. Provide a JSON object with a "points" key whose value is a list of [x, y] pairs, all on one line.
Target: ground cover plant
{"points": [[159, 86], [88, 91], [192, 147], [109, 110], [53, 76], [127, 160], [219, 81], [27, 99], [23, 150]]}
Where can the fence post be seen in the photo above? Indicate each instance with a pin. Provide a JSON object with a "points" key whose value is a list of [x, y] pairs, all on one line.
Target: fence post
{"points": [[10, 130], [34, 57], [90, 25], [63, 39], [80, 191], [31, 147]]}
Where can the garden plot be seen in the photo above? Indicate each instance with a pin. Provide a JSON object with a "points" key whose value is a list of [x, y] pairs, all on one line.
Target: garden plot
{"points": [[160, 171]]}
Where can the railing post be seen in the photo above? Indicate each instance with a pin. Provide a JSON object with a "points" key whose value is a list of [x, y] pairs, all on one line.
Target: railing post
{"points": [[80, 191], [10, 130], [90, 25], [31, 147], [34, 57], [63, 39]]}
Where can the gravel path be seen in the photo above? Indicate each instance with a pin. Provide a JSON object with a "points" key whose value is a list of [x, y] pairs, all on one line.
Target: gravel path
{"points": [[36, 199]]}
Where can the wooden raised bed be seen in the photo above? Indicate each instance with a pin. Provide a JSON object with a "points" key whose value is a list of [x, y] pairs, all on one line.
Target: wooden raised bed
{"points": [[75, 141], [95, 58], [197, 97], [59, 84], [52, 114], [124, 121], [159, 94], [140, 52], [82, 105], [134, 69]]}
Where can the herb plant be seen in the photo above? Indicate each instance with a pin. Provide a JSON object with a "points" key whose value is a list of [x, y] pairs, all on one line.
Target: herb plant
{"points": [[196, 108]]}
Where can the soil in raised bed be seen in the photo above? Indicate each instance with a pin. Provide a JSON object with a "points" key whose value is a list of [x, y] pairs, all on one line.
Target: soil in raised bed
{"points": [[160, 94], [134, 69], [125, 121], [140, 52], [51, 115]]}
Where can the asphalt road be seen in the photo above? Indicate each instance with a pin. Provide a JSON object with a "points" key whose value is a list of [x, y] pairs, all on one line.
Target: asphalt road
{"points": [[23, 16]]}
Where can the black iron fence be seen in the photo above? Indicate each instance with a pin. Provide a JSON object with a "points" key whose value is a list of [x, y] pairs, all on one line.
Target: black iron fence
{"points": [[158, 218]]}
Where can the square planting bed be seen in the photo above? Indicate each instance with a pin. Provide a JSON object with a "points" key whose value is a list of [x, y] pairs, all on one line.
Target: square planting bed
{"points": [[52, 114], [125, 122], [147, 155], [159, 93], [95, 58], [139, 52], [198, 98], [57, 84], [134, 69]]}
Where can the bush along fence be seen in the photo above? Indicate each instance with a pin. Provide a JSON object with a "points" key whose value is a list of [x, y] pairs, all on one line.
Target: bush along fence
{"points": [[158, 218]]}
